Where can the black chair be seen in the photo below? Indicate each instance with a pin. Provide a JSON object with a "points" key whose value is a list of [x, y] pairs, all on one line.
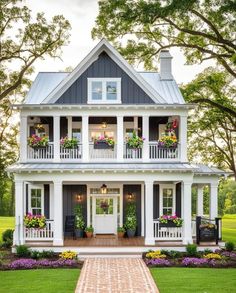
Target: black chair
{"points": [[70, 225]]}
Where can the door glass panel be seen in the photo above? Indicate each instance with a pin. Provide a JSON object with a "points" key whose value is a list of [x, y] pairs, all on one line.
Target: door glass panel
{"points": [[104, 206]]}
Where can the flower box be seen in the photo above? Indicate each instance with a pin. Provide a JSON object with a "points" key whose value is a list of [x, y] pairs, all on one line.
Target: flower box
{"points": [[169, 224], [102, 144]]}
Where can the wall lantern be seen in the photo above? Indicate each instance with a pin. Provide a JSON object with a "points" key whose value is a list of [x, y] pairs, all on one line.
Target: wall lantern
{"points": [[103, 189], [79, 197], [104, 125], [131, 196]]}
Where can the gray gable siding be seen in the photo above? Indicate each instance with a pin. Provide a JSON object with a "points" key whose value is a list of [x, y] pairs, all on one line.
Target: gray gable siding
{"points": [[104, 66]]}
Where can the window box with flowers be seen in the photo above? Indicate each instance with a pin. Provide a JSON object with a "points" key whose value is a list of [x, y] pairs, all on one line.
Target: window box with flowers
{"points": [[135, 141], [168, 138], [170, 221], [34, 221], [68, 143], [103, 142], [37, 142]]}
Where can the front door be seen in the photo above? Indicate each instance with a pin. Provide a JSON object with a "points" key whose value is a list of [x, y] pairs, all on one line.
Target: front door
{"points": [[105, 214]]}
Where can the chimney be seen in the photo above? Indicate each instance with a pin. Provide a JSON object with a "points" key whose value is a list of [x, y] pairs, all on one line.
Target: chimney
{"points": [[165, 65]]}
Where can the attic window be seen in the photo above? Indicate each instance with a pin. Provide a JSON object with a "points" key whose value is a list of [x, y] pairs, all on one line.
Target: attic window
{"points": [[104, 90]]}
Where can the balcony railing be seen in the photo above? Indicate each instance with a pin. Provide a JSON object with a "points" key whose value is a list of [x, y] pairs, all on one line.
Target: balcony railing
{"points": [[35, 234], [157, 152], [98, 154], [41, 153], [166, 233], [71, 154], [132, 154]]}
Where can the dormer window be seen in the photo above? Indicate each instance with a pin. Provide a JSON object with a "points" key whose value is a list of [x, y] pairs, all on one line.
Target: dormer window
{"points": [[104, 90]]}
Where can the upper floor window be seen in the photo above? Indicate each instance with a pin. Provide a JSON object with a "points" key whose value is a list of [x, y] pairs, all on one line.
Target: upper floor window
{"points": [[104, 90]]}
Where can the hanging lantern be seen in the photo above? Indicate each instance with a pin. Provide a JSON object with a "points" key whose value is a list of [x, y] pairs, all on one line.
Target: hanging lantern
{"points": [[104, 189]]}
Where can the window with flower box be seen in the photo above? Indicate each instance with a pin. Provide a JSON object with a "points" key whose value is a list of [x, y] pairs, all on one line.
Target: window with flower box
{"points": [[167, 199]]}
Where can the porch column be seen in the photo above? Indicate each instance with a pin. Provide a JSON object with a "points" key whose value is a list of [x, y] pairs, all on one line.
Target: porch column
{"points": [[23, 139], [187, 212], [120, 138], [200, 200], [85, 138], [56, 138], [142, 209], [146, 136], [213, 210], [183, 139], [19, 213], [58, 214], [149, 230], [69, 126]]}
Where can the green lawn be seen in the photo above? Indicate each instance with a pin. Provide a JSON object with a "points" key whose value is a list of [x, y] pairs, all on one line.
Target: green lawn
{"points": [[194, 280], [46, 280], [229, 228], [6, 223]]}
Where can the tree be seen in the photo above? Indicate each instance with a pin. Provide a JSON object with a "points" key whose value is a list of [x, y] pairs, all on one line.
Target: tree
{"points": [[212, 132], [24, 40], [203, 29]]}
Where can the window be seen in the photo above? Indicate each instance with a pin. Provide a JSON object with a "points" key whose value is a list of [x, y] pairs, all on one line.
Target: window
{"points": [[167, 199], [36, 200], [76, 133], [104, 206], [104, 90]]}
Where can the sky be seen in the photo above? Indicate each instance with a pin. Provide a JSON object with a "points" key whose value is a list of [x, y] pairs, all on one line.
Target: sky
{"points": [[81, 15]]}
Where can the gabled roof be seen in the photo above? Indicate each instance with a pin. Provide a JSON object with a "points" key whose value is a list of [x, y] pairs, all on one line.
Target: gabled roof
{"points": [[103, 45]]}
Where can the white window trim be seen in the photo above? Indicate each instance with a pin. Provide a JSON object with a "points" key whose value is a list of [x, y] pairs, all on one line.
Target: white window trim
{"points": [[104, 100], [41, 187], [163, 186]]}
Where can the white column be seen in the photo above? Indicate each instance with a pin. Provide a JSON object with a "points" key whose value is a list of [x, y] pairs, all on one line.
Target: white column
{"points": [[120, 138], [213, 210], [187, 212], [56, 138], [69, 126], [58, 214], [200, 200], [146, 136], [19, 213], [142, 210], [183, 138], [85, 138], [149, 229], [23, 139]]}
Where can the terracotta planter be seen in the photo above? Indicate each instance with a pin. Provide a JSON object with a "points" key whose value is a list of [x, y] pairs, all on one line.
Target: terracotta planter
{"points": [[89, 234], [120, 234]]}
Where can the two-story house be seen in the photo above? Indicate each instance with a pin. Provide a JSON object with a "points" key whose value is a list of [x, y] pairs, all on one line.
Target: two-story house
{"points": [[104, 104]]}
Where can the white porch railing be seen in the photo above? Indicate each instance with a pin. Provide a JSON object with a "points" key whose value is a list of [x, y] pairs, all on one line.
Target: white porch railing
{"points": [[40, 234], [157, 152], [132, 154], [97, 154], [166, 233], [71, 154], [40, 153]]}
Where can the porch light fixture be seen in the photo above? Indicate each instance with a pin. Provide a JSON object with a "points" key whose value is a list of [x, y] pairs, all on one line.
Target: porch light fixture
{"points": [[104, 189], [131, 196], [104, 125], [79, 197]]}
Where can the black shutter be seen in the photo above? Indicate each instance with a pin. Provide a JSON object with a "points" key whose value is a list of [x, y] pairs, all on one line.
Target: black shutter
{"points": [[156, 197], [178, 199], [46, 201]]}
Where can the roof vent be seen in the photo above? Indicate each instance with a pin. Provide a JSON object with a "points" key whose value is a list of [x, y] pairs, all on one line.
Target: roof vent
{"points": [[165, 65]]}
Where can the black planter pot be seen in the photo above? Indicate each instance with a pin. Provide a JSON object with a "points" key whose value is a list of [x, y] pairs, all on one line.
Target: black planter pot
{"points": [[79, 233], [39, 147], [130, 233], [207, 234], [101, 145], [167, 148], [169, 224]]}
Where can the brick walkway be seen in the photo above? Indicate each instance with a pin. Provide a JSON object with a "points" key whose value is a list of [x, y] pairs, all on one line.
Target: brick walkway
{"points": [[115, 275]]}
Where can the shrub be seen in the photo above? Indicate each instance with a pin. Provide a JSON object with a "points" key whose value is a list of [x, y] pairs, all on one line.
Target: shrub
{"points": [[2, 256], [207, 251], [47, 254], [35, 254], [68, 255], [7, 238], [22, 251], [191, 250], [174, 254], [229, 246]]}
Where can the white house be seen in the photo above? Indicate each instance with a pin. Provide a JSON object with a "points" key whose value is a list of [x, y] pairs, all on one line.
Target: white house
{"points": [[105, 96]]}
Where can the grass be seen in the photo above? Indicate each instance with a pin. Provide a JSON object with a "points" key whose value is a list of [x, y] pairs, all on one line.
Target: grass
{"points": [[46, 280], [6, 223], [194, 280], [229, 228]]}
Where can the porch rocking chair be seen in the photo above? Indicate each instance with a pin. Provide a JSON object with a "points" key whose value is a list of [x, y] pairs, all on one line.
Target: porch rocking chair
{"points": [[70, 225]]}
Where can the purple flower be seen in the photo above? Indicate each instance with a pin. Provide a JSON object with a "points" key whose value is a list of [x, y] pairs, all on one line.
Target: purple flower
{"points": [[194, 261], [158, 262]]}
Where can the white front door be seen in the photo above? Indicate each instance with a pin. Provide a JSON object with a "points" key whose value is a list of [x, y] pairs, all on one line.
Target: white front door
{"points": [[105, 214]]}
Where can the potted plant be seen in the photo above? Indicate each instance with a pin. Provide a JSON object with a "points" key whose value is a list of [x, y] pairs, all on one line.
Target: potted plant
{"points": [[131, 220], [89, 231], [168, 140], [170, 221], [67, 143], [38, 142], [103, 142], [79, 221], [121, 232], [135, 141]]}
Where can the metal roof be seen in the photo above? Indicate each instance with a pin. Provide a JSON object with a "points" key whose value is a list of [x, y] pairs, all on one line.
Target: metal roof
{"points": [[204, 169], [46, 82]]}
